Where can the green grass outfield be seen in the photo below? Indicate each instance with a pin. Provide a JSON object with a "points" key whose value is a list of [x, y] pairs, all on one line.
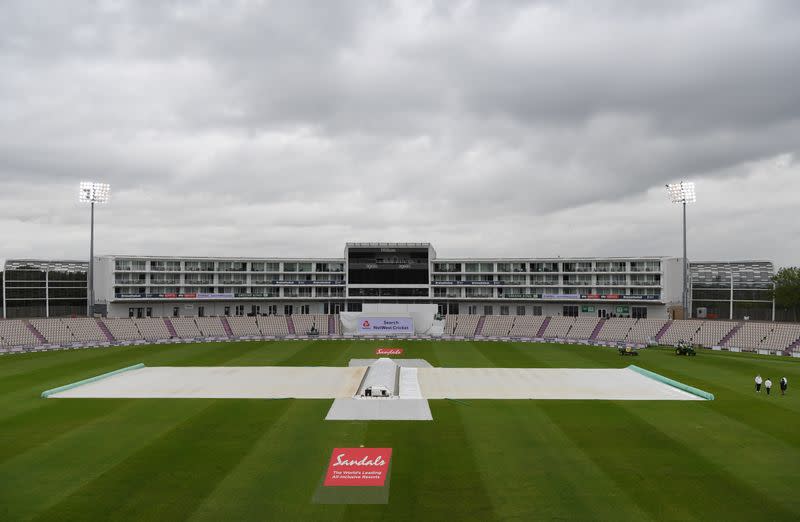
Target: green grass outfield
{"points": [[736, 458]]}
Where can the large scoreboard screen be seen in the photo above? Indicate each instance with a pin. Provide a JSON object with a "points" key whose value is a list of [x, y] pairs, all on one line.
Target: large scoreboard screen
{"points": [[387, 265]]}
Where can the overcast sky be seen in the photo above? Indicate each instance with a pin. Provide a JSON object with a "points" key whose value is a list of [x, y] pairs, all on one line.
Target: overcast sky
{"points": [[499, 128]]}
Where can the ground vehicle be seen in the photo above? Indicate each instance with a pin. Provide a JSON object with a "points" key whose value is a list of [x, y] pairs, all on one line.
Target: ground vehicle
{"points": [[628, 351], [684, 349]]}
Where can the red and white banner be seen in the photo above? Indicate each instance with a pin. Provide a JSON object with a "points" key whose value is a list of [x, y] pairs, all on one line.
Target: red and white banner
{"points": [[358, 467], [389, 351]]}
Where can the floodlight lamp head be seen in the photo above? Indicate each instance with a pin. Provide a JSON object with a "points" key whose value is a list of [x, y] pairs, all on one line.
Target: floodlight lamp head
{"points": [[91, 192], [682, 192]]}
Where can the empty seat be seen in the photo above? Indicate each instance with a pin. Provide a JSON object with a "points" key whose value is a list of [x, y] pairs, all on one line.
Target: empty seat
{"points": [[711, 333], [583, 327], [210, 326], [16, 333], [123, 329], [55, 331], [466, 325], [558, 327], [244, 326], [645, 330], [526, 325], [304, 322], [85, 329], [616, 329], [186, 328], [497, 325], [273, 325], [680, 330], [152, 328]]}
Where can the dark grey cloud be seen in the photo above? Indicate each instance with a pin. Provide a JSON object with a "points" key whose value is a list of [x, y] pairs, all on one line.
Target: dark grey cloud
{"points": [[492, 128]]}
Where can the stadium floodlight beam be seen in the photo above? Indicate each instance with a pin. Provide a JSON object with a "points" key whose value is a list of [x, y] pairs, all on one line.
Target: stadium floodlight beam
{"points": [[91, 192], [683, 193]]}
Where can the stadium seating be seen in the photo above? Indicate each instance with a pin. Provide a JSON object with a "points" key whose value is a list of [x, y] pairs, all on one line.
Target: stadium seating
{"points": [[680, 331], [497, 325], [526, 325], [85, 329], [152, 328], [186, 328], [450, 324], [303, 323], [583, 327], [123, 329], [711, 333], [465, 325], [15, 333], [782, 337], [244, 326], [210, 326], [55, 331], [273, 325], [750, 336], [616, 329], [337, 324], [645, 329], [558, 327]]}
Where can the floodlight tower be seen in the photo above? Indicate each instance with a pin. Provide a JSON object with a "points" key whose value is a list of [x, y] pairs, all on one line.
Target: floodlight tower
{"points": [[683, 193], [91, 192]]}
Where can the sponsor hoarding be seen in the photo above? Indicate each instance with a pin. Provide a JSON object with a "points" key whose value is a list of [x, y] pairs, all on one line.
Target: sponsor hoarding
{"points": [[368, 325], [358, 467], [389, 351]]}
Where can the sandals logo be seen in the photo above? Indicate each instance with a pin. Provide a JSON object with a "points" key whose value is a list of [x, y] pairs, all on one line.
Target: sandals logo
{"points": [[358, 467], [389, 351]]}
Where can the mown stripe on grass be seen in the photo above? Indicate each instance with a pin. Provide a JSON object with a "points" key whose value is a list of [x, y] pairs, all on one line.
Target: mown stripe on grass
{"points": [[43, 475], [545, 476], [170, 477], [737, 400], [671, 480], [277, 479], [34, 427], [435, 473], [766, 463]]}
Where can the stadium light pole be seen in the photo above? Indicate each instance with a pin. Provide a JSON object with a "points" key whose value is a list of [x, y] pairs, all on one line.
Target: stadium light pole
{"points": [[91, 192], [683, 193]]}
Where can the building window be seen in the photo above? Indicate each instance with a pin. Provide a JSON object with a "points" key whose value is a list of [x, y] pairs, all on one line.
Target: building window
{"points": [[239, 310], [570, 311], [504, 310], [537, 310], [175, 311], [639, 312], [520, 310], [488, 310], [227, 311], [472, 310]]}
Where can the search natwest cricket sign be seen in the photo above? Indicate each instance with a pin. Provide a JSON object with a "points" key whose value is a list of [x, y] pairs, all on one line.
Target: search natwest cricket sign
{"points": [[358, 467], [388, 351]]}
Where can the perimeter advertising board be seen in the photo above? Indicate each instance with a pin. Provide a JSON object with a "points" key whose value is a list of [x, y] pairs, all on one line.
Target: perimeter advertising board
{"points": [[386, 325]]}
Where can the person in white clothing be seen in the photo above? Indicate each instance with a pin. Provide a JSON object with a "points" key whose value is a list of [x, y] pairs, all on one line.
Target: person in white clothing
{"points": [[758, 383], [768, 385]]}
